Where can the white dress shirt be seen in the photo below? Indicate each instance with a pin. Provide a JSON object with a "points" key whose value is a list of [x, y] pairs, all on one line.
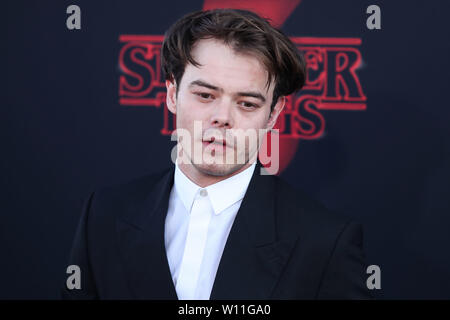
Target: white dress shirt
{"points": [[197, 225]]}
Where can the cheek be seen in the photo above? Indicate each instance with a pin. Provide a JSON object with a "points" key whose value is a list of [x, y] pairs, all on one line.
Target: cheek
{"points": [[191, 118], [186, 113], [256, 120]]}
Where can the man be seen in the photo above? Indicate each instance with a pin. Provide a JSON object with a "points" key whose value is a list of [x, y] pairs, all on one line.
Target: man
{"points": [[213, 226]]}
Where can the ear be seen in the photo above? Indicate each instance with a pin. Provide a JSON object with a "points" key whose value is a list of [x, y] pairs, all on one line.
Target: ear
{"points": [[276, 112], [171, 96]]}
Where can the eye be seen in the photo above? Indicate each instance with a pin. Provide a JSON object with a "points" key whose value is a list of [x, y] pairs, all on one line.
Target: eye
{"points": [[204, 95], [247, 105]]}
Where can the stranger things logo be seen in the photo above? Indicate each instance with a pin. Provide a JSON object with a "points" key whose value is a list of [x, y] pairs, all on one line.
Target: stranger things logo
{"points": [[332, 83]]}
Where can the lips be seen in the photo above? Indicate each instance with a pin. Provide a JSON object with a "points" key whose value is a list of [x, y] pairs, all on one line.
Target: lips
{"points": [[215, 141]]}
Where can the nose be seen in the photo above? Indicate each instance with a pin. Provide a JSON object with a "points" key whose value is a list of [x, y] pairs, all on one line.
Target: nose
{"points": [[222, 115]]}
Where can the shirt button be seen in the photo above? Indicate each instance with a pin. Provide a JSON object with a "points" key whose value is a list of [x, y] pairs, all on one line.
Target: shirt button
{"points": [[203, 192]]}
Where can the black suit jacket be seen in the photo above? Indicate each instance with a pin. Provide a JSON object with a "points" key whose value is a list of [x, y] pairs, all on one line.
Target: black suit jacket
{"points": [[282, 245]]}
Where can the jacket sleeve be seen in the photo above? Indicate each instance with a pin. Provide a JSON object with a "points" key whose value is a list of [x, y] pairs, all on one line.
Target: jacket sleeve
{"points": [[79, 256], [345, 275]]}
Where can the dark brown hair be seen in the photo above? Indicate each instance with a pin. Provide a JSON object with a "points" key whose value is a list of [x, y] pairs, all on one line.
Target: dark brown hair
{"points": [[245, 32]]}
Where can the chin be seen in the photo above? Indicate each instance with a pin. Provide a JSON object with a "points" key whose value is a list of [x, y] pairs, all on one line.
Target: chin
{"points": [[218, 170]]}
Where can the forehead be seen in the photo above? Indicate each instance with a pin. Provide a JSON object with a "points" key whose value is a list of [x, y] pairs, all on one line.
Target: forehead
{"points": [[223, 67]]}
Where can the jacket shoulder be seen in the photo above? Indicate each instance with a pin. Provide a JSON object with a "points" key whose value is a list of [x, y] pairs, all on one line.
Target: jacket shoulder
{"points": [[134, 186], [299, 212], [121, 198]]}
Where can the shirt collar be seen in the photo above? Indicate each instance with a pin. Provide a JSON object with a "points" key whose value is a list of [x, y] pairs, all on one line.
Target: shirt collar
{"points": [[222, 194]]}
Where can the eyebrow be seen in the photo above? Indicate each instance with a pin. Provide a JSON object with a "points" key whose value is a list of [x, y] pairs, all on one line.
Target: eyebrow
{"points": [[204, 84], [252, 94]]}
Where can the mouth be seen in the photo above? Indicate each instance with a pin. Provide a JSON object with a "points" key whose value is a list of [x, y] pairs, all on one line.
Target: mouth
{"points": [[222, 143], [215, 145]]}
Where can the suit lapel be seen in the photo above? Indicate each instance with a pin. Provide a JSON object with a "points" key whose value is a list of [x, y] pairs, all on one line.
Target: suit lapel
{"points": [[253, 256], [252, 260], [141, 243]]}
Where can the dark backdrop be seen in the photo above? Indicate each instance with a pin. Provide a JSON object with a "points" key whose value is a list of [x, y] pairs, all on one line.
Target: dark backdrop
{"points": [[64, 134]]}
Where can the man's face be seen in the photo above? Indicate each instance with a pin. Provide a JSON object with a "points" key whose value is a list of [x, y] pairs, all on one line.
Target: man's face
{"points": [[227, 97]]}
